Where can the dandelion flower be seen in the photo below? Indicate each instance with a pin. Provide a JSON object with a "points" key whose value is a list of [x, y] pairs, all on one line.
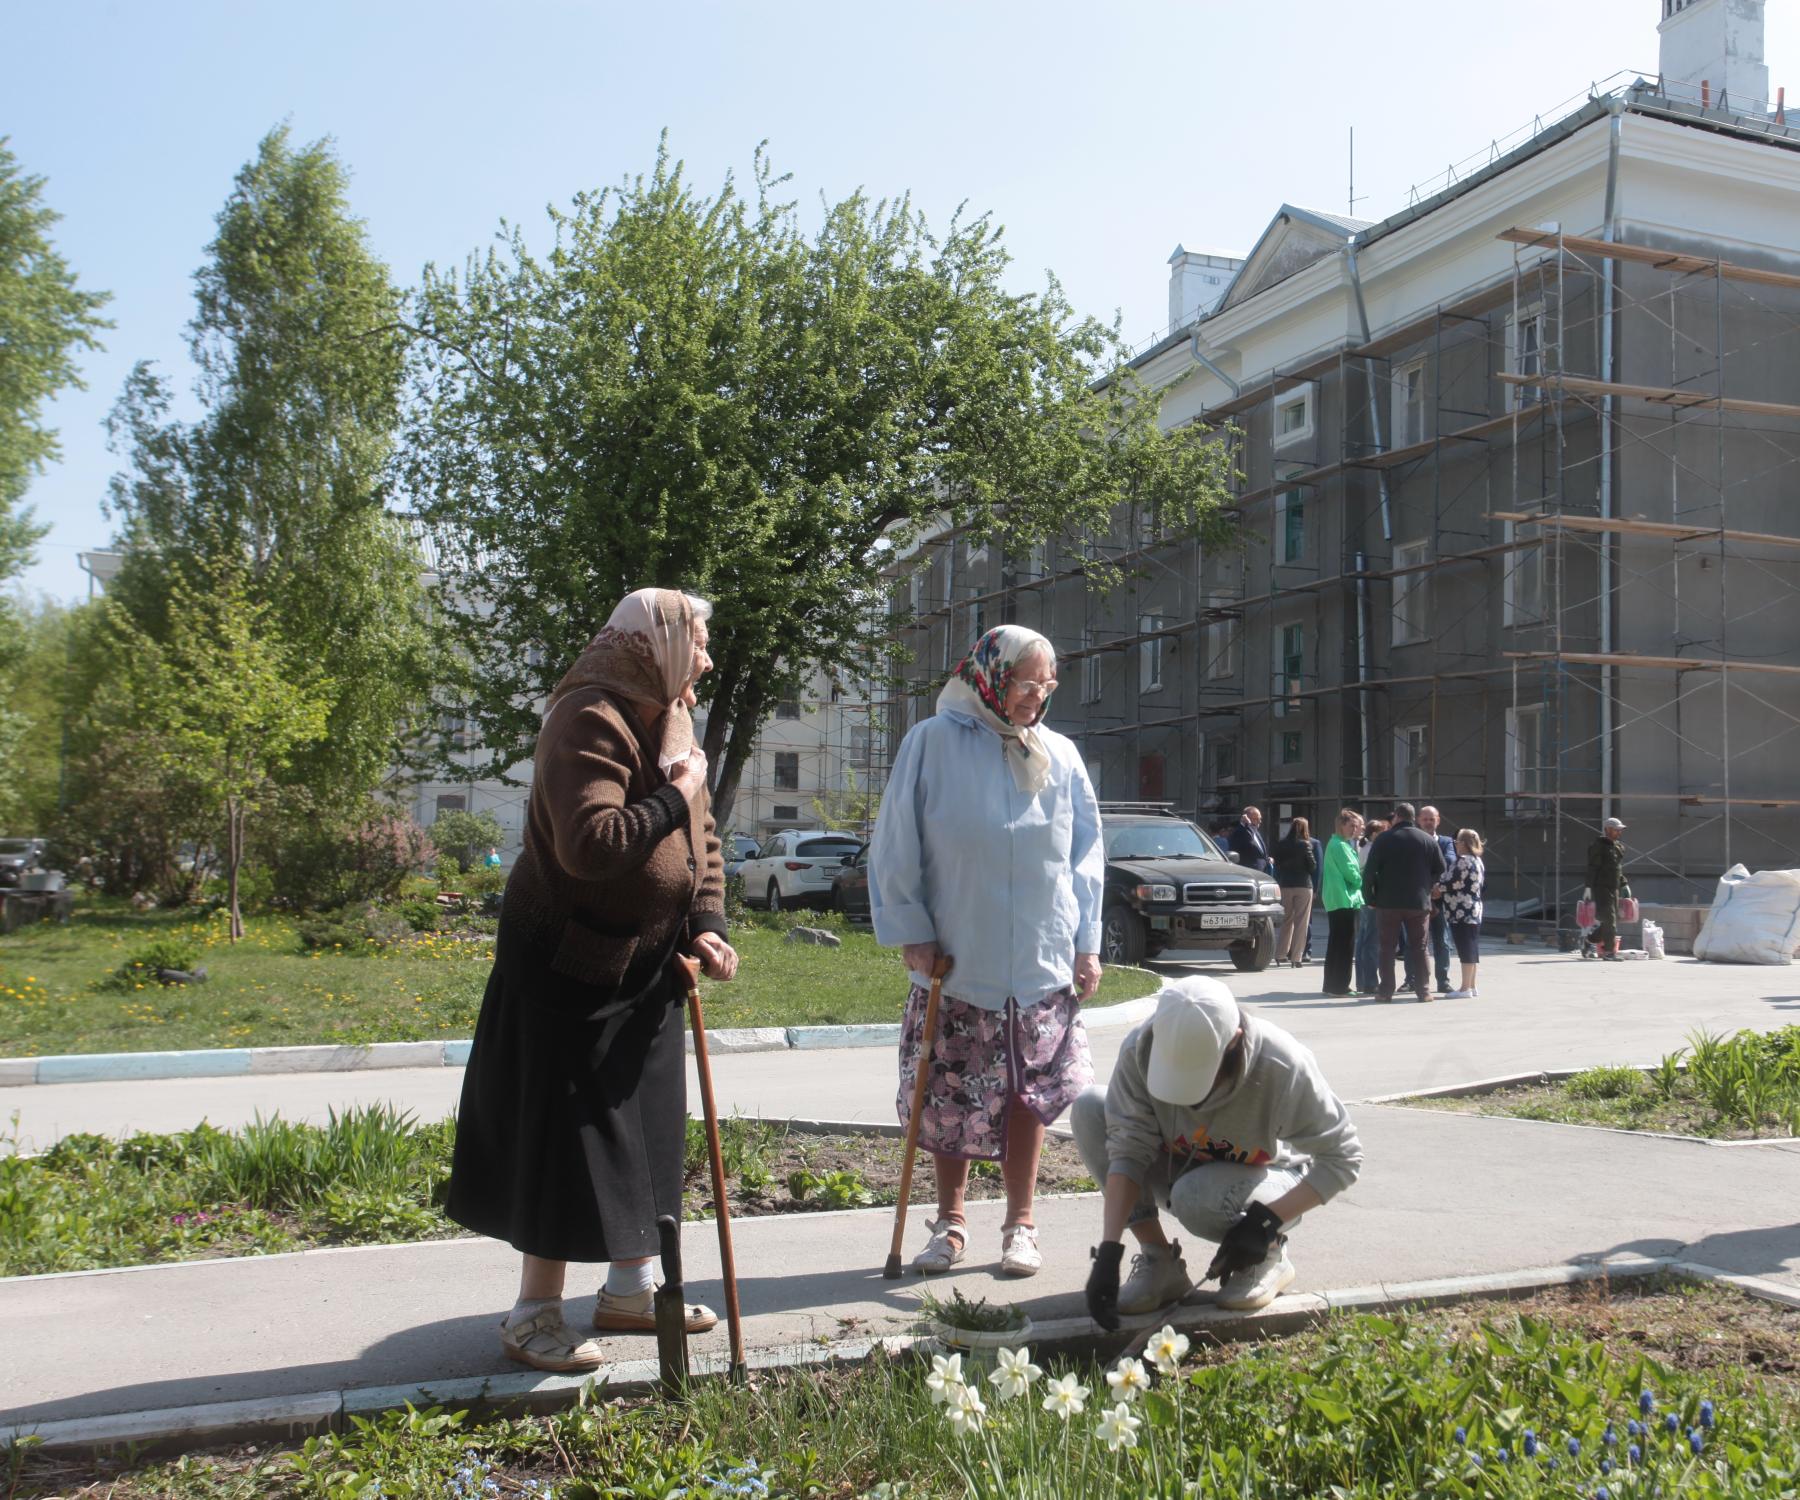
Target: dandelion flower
{"points": [[1118, 1428], [1168, 1349], [1066, 1397], [965, 1410], [945, 1377], [1014, 1374], [1128, 1379]]}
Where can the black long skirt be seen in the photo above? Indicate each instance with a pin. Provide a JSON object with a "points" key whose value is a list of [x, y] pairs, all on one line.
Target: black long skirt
{"points": [[573, 1122]]}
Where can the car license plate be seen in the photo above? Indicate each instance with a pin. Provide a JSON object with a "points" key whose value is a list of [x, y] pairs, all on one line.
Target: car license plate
{"points": [[1220, 919]]}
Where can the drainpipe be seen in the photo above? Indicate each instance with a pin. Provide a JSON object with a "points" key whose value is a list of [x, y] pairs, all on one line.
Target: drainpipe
{"points": [[1609, 374], [1364, 620], [1207, 365]]}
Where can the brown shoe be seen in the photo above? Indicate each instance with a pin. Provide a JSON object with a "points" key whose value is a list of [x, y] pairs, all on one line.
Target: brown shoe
{"points": [[638, 1314], [545, 1342]]}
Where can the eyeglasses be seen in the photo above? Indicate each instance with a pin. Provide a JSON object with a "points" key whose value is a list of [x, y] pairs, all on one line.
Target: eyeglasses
{"points": [[1037, 686]]}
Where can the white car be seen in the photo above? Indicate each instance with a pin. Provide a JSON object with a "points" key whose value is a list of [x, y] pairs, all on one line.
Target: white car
{"points": [[796, 868]]}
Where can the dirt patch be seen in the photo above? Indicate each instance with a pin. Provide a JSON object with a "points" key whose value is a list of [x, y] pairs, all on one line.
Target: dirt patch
{"points": [[772, 1171]]}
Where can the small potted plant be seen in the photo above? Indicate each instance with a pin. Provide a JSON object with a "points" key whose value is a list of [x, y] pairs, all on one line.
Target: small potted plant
{"points": [[974, 1329]]}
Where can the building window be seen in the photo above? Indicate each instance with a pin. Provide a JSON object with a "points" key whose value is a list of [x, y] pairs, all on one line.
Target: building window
{"points": [[788, 708], [1524, 354], [1149, 527], [787, 771], [1150, 778], [860, 742], [1294, 418], [1090, 669], [1410, 593], [1290, 526], [458, 733], [1524, 758], [783, 814], [1150, 654], [1522, 584], [1290, 747], [1409, 761], [1409, 405], [977, 554], [978, 621], [451, 802], [1293, 664], [1222, 756], [1221, 642]]}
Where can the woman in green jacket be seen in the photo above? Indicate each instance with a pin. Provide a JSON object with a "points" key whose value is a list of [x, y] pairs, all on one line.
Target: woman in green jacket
{"points": [[1342, 893]]}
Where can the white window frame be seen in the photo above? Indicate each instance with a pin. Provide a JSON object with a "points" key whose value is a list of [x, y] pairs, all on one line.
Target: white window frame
{"points": [[1410, 598], [1408, 424], [1412, 756], [1519, 566], [1303, 397], [1526, 317], [1221, 642], [1150, 655], [1090, 669], [1292, 498], [1524, 758]]}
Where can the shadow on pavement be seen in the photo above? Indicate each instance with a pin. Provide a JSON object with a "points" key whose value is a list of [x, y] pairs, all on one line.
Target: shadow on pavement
{"points": [[1744, 1252]]}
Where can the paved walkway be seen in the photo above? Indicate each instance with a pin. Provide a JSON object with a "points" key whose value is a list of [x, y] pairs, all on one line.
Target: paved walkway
{"points": [[1441, 1195]]}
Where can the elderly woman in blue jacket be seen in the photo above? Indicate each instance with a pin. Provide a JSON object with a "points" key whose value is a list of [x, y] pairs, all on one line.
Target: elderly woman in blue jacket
{"points": [[988, 849]]}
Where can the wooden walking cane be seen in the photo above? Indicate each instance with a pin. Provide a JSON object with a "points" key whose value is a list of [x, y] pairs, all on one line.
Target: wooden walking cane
{"points": [[938, 971], [690, 970]]}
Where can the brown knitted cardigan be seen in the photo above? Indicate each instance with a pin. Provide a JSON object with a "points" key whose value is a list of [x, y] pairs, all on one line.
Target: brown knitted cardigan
{"points": [[617, 866]]}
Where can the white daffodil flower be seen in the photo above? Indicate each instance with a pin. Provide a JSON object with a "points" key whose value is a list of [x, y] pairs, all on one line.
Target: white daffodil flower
{"points": [[1014, 1374], [1128, 1379], [1065, 1397], [965, 1410], [945, 1378], [1167, 1350], [1118, 1428]]}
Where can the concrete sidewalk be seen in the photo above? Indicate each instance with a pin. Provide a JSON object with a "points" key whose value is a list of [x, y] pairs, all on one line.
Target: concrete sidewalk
{"points": [[1443, 1195], [1537, 1010]]}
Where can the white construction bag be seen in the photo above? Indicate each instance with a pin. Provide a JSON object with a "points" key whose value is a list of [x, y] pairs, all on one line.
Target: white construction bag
{"points": [[1653, 939], [1755, 919]]}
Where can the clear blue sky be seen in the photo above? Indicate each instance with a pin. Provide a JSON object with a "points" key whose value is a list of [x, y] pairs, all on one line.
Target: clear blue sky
{"points": [[1098, 135]]}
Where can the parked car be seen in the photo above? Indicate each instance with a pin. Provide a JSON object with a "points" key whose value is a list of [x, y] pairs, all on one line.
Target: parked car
{"points": [[850, 888], [18, 857], [796, 867], [738, 848], [1168, 885]]}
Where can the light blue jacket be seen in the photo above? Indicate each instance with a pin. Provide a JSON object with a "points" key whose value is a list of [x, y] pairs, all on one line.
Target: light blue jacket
{"points": [[1008, 885]]}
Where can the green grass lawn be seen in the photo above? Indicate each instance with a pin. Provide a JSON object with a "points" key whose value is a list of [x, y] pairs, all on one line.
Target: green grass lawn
{"points": [[269, 991]]}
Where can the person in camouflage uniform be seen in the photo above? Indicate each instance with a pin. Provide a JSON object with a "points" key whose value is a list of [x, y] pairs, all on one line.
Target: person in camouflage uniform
{"points": [[1606, 881]]}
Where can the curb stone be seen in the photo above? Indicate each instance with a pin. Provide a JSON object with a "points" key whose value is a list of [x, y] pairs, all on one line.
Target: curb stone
{"points": [[226, 1422]]}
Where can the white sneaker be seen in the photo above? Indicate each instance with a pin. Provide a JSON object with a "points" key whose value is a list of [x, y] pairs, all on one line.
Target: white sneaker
{"points": [[1159, 1277], [1259, 1285], [1460, 995], [944, 1249], [1019, 1253]]}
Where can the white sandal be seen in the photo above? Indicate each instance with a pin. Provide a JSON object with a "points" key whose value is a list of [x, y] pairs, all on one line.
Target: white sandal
{"points": [[1019, 1253], [947, 1245], [545, 1342]]}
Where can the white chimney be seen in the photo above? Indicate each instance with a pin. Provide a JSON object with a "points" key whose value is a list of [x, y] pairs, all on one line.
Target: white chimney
{"points": [[1197, 280], [1712, 48]]}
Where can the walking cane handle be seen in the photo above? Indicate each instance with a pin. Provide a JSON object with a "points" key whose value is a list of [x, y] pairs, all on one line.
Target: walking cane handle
{"points": [[689, 969], [940, 971]]}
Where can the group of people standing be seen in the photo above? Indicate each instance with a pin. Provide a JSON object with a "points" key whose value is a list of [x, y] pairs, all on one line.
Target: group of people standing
{"points": [[1393, 885], [988, 853]]}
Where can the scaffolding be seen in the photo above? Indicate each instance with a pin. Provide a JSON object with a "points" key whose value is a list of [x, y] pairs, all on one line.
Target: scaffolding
{"points": [[1485, 540]]}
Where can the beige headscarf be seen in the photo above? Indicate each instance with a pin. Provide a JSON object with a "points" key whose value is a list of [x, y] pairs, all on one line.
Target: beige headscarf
{"points": [[646, 652]]}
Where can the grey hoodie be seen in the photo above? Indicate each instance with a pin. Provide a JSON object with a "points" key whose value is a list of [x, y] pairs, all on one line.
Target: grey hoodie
{"points": [[1277, 1111]]}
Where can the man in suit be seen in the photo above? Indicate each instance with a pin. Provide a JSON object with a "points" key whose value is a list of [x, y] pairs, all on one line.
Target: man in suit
{"points": [[1246, 841], [1429, 820], [1404, 864]]}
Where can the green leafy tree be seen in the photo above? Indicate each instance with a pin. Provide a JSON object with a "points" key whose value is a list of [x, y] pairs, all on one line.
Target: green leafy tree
{"points": [[300, 370], [466, 836], [45, 321], [223, 705], [692, 390], [853, 810]]}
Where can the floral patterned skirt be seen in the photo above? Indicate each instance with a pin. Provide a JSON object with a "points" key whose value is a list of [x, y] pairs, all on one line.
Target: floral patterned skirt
{"points": [[982, 1060]]}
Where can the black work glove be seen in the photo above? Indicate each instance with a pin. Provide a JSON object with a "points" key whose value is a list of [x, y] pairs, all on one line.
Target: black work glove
{"points": [[1103, 1283], [1247, 1243]]}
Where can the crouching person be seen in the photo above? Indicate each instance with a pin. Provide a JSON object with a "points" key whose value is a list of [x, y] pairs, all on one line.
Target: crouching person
{"points": [[1224, 1120]]}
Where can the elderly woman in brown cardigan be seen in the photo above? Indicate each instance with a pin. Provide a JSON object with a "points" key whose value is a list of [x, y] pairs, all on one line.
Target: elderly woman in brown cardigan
{"points": [[573, 1119]]}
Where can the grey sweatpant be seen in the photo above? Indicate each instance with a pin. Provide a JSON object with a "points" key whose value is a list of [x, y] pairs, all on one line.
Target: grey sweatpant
{"points": [[1207, 1198]]}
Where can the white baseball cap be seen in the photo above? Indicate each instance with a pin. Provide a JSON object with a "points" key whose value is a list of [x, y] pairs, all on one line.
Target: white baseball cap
{"points": [[1615, 823], [1196, 1019]]}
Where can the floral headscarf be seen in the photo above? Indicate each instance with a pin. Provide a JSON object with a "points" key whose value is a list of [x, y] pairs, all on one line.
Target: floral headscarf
{"points": [[978, 689], [645, 652]]}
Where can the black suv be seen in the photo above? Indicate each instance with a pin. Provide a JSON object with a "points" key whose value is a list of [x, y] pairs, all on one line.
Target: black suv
{"points": [[1170, 886]]}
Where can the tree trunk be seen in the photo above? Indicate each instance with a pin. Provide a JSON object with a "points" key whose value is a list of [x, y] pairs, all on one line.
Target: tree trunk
{"points": [[731, 769], [233, 853]]}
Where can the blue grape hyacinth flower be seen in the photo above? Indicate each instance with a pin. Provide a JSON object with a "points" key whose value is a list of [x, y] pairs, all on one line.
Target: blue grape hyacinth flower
{"points": [[1531, 1443], [1574, 1447], [1646, 1401], [1606, 1466], [1672, 1422], [1462, 1436], [1611, 1435], [1706, 1414], [1696, 1442], [1634, 1428], [1635, 1454], [1504, 1456]]}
